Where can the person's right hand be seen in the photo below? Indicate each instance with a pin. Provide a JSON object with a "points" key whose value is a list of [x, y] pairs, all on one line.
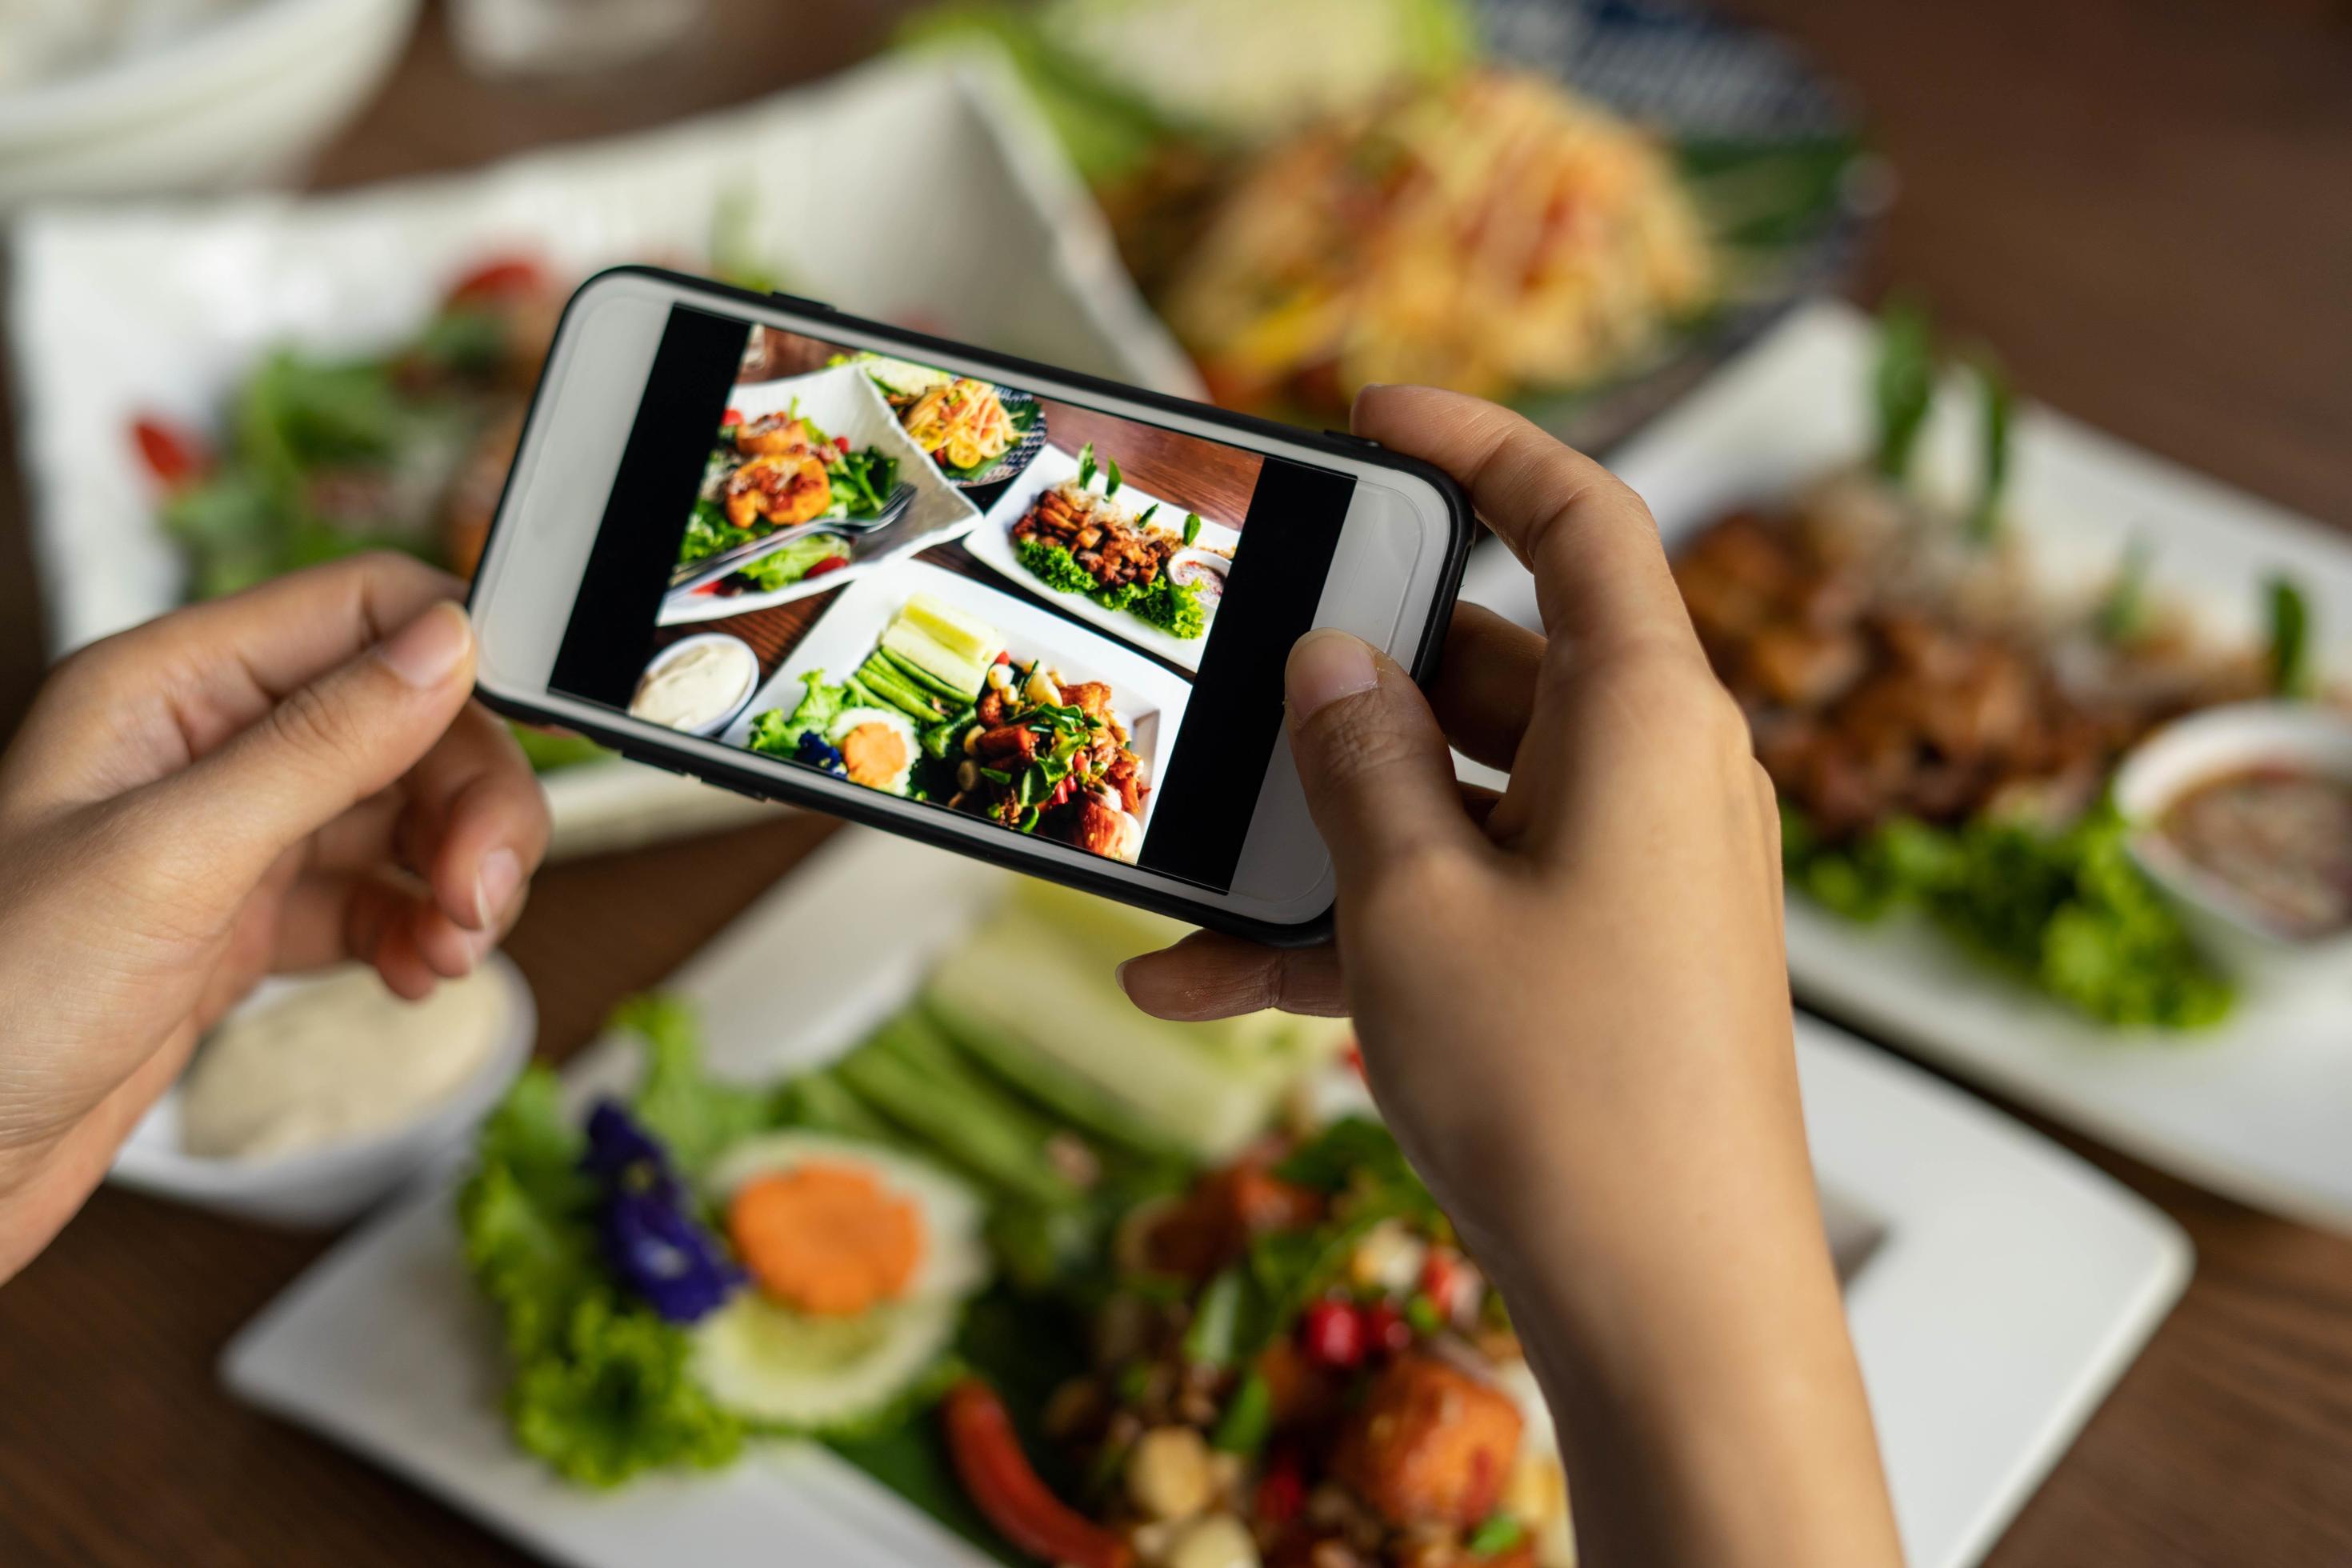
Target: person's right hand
{"points": [[1573, 1008]]}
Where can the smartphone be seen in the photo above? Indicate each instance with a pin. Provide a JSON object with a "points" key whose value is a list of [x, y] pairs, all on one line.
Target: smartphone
{"points": [[1010, 610]]}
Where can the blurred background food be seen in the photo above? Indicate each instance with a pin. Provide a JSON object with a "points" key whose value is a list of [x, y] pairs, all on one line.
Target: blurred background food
{"points": [[1553, 205]]}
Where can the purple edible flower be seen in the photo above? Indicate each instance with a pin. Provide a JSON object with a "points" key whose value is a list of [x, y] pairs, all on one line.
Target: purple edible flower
{"points": [[670, 1262], [645, 1224], [818, 752], [622, 1154]]}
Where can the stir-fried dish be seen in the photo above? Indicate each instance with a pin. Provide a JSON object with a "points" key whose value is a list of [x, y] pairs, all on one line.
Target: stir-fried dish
{"points": [[1295, 1359], [942, 711], [1942, 730], [1077, 539]]}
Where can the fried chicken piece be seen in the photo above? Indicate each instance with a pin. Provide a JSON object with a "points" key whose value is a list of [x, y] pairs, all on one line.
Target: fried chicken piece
{"points": [[773, 435], [780, 490], [1432, 1445]]}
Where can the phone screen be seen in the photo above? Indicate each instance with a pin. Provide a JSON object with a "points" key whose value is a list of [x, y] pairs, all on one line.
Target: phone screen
{"points": [[1042, 615]]}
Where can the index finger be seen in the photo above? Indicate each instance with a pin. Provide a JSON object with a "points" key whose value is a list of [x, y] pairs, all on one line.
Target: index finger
{"points": [[225, 662], [1601, 578]]}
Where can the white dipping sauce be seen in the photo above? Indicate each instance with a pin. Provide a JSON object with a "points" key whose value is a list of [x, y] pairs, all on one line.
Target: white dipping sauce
{"points": [[694, 688], [333, 1061]]}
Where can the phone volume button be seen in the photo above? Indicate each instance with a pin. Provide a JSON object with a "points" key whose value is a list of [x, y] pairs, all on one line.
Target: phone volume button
{"points": [[800, 302], [1353, 440]]}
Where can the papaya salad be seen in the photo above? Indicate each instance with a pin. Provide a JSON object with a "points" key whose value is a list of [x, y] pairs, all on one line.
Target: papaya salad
{"points": [[1089, 1287], [969, 427], [941, 710], [1943, 729]]}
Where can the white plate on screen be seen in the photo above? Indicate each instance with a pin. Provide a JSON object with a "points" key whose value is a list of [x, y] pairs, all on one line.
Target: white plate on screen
{"points": [[164, 308], [2259, 1109], [1148, 698], [1995, 1285], [992, 541], [842, 401]]}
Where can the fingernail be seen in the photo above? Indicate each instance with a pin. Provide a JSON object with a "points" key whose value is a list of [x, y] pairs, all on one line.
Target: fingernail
{"points": [[1325, 666], [495, 882], [427, 649]]}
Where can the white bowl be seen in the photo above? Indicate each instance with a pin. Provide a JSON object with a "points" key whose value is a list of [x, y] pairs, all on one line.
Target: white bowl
{"points": [[2181, 755], [326, 1186], [241, 101], [679, 648]]}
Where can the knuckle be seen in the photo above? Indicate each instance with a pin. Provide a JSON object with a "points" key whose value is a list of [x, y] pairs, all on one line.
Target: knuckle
{"points": [[311, 724], [1355, 738]]}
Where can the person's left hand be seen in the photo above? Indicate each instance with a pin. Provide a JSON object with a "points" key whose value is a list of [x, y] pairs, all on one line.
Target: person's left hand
{"points": [[275, 781]]}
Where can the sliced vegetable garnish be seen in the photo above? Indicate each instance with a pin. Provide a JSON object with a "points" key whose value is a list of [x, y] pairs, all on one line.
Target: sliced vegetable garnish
{"points": [[1003, 1485], [1905, 385]]}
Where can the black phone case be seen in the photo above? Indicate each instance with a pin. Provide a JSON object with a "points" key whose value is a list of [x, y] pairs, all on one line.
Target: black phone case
{"points": [[760, 787]]}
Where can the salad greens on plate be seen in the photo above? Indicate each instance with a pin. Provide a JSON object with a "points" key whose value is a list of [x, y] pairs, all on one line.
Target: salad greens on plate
{"points": [[1079, 1283]]}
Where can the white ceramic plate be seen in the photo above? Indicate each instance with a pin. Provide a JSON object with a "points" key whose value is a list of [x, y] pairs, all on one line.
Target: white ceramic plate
{"points": [[165, 308], [2260, 1108], [239, 98], [1995, 1285], [991, 542], [1151, 700], [843, 401]]}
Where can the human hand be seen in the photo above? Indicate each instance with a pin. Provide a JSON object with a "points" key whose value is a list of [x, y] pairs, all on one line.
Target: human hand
{"points": [[276, 781], [1573, 1010]]}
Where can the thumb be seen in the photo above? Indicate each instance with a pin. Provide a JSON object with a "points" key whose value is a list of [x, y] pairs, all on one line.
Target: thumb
{"points": [[324, 748], [1374, 763]]}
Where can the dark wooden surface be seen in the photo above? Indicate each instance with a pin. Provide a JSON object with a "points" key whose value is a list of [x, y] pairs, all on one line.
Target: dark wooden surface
{"points": [[2143, 204]]}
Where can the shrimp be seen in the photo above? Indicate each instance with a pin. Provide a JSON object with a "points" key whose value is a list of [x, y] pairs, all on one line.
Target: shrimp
{"points": [[780, 491], [773, 435]]}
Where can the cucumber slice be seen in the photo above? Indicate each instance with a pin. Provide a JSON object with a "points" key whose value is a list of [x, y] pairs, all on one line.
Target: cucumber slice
{"points": [[967, 637], [944, 664]]}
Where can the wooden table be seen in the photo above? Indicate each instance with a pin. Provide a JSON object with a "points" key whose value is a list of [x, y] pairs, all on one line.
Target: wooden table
{"points": [[2142, 206]]}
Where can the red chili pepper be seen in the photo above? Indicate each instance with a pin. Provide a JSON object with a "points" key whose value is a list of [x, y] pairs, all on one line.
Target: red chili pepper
{"points": [[498, 277], [1385, 1329], [1442, 1277], [1281, 1491], [1332, 1333], [732, 416], [841, 443], [1004, 656], [830, 563], [175, 457], [1006, 1491]]}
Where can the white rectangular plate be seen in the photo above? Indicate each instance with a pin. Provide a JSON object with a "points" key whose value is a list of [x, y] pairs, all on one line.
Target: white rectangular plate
{"points": [[2260, 1107], [991, 542], [842, 401], [976, 228], [1995, 1286], [1151, 700]]}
